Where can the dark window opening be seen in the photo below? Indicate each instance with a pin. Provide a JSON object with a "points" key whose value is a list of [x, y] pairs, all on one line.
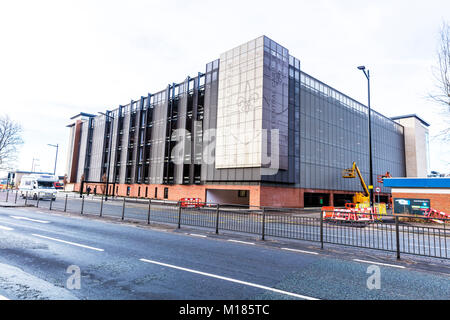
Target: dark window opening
{"points": [[316, 199], [243, 193], [166, 193]]}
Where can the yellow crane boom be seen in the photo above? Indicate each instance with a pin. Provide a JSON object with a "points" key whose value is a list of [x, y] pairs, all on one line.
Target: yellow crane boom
{"points": [[351, 173]]}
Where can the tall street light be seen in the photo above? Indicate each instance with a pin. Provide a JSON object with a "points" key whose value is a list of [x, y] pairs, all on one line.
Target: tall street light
{"points": [[109, 151], [33, 164], [56, 158], [367, 74]]}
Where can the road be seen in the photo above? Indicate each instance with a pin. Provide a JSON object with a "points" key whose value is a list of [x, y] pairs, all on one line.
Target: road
{"points": [[124, 261]]}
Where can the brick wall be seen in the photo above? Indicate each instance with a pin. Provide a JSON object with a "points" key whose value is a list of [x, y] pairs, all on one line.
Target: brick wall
{"points": [[258, 195], [281, 197], [175, 192]]}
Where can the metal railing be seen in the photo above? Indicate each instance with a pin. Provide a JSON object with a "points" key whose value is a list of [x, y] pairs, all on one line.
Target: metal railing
{"points": [[400, 234]]}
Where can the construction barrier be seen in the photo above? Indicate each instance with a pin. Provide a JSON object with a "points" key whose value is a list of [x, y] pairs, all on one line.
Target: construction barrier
{"points": [[349, 214], [191, 203], [436, 215]]}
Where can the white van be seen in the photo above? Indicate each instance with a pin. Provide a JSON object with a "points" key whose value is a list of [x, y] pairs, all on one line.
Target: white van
{"points": [[40, 186]]}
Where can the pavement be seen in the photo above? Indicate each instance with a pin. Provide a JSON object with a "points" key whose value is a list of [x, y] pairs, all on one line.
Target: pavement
{"points": [[42, 253]]}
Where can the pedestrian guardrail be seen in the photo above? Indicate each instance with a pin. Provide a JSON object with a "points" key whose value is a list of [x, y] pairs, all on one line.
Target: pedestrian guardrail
{"points": [[399, 234]]}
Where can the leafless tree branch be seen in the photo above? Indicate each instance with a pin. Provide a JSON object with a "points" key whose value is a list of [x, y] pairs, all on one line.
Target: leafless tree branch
{"points": [[441, 74], [10, 139]]}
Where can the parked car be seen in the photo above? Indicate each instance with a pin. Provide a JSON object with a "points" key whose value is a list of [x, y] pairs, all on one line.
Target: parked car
{"points": [[59, 185]]}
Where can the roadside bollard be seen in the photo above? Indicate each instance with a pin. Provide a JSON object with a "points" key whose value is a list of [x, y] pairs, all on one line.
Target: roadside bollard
{"points": [[37, 202], [26, 198], [123, 209], [149, 209], [82, 204], [15, 199], [7, 194]]}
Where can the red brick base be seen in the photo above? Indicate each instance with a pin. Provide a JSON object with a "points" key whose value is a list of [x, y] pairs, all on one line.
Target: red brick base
{"points": [[258, 195], [175, 192]]}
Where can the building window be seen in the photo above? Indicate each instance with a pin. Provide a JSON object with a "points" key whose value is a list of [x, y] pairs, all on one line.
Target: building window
{"points": [[243, 193], [146, 192], [156, 192], [166, 193], [128, 190]]}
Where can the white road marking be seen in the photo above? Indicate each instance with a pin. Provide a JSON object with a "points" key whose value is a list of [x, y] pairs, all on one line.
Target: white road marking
{"points": [[197, 235], [381, 264], [28, 219], [301, 251], [3, 298], [230, 279], [68, 242], [6, 228], [231, 240]]}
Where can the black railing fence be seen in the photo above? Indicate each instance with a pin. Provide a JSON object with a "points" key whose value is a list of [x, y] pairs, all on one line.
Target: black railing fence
{"points": [[400, 234]]}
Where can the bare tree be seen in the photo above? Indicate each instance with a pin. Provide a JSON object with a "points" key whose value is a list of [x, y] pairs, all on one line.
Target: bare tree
{"points": [[10, 139], [441, 74]]}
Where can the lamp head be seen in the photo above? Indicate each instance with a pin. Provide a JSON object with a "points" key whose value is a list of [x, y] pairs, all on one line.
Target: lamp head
{"points": [[362, 68]]}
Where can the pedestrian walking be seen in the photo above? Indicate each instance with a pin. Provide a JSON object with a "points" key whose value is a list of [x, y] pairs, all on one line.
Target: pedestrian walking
{"points": [[88, 190]]}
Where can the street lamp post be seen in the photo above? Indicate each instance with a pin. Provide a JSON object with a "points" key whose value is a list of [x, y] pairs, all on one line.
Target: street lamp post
{"points": [[109, 151], [367, 74], [56, 158], [33, 164]]}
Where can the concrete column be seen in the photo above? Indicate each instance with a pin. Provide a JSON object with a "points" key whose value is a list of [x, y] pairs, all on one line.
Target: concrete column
{"points": [[331, 199]]}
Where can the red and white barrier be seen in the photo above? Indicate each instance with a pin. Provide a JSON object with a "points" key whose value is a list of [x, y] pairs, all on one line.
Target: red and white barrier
{"points": [[191, 202], [436, 214], [351, 214]]}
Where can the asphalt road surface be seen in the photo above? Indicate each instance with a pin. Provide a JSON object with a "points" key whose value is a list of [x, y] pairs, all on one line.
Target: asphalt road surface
{"points": [[42, 253]]}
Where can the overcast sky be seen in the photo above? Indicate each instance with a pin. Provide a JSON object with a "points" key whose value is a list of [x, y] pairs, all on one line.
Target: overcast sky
{"points": [[59, 58]]}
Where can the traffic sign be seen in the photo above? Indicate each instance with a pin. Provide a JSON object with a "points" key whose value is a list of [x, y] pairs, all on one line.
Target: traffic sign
{"points": [[377, 189]]}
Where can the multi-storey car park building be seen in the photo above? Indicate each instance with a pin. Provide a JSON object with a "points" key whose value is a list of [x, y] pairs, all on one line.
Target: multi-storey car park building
{"points": [[253, 129]]}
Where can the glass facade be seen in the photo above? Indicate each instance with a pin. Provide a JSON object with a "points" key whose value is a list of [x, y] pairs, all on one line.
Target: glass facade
{"points": [[334, 133], [209, 129]]}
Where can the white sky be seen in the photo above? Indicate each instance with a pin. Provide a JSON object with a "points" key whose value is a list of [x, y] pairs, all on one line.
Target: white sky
{"points": [[59, 58]]}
